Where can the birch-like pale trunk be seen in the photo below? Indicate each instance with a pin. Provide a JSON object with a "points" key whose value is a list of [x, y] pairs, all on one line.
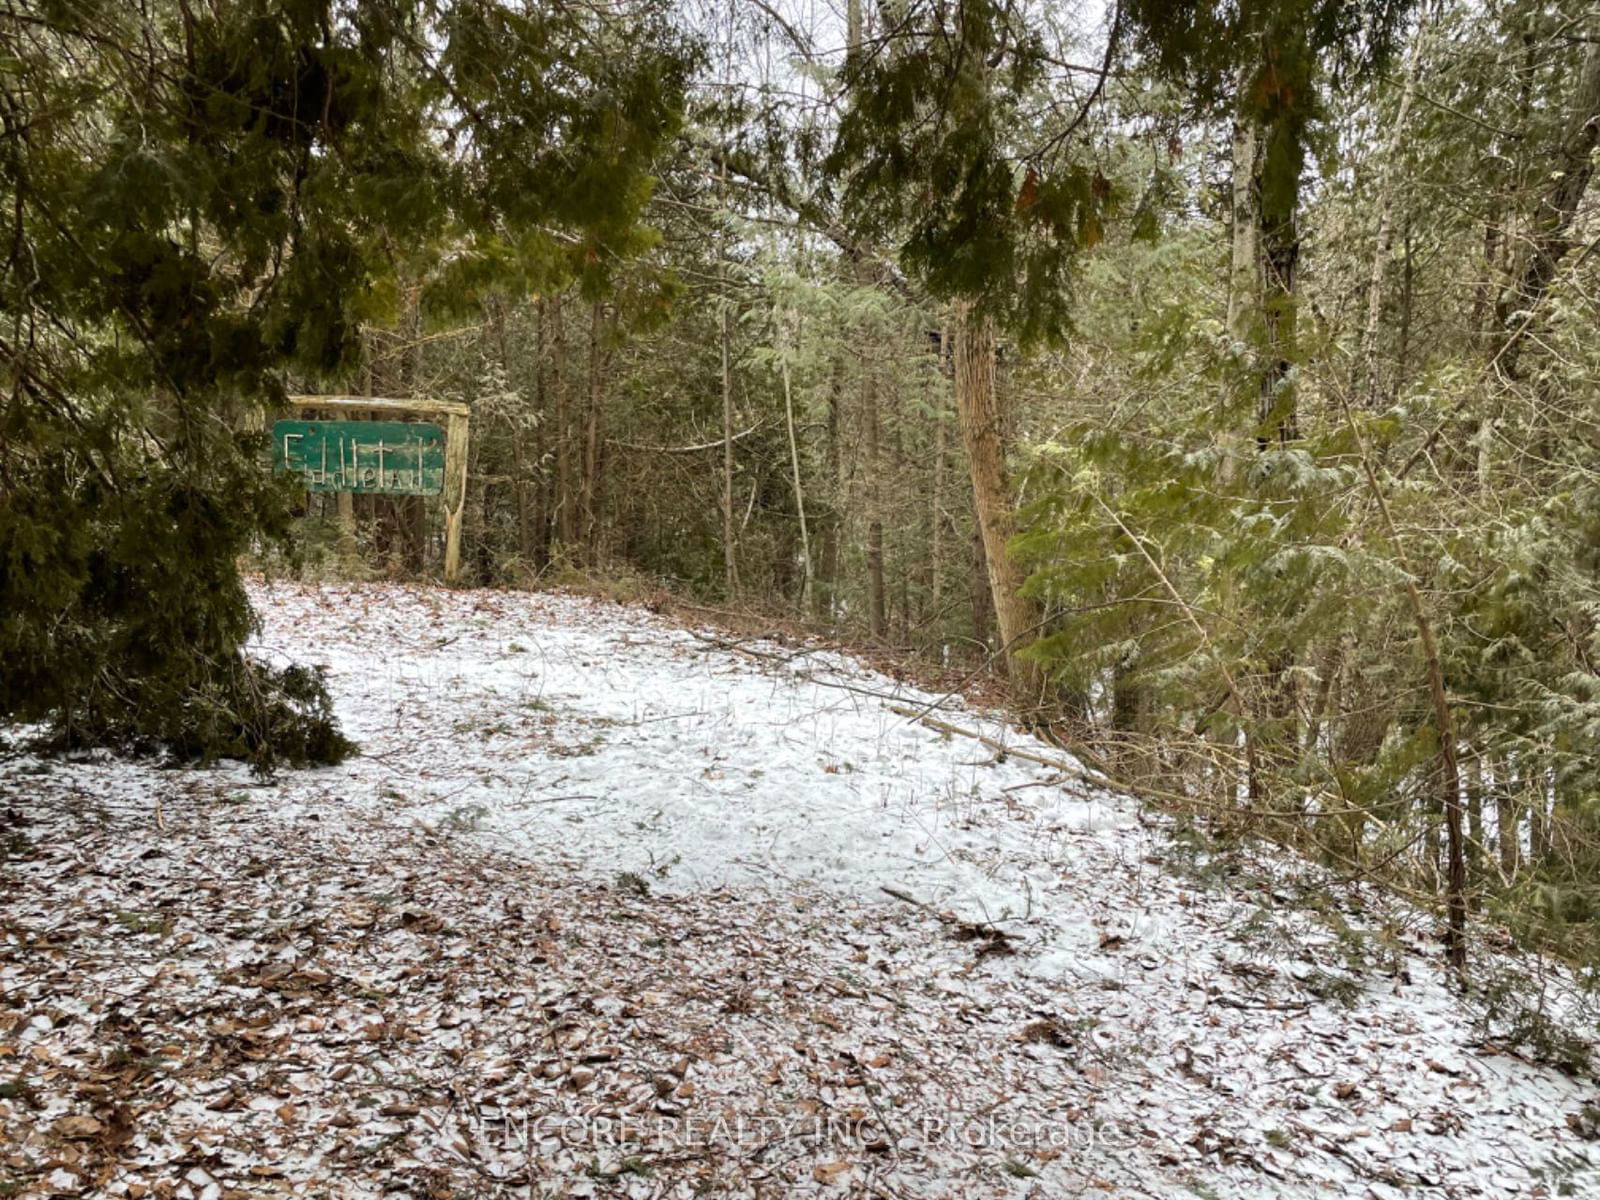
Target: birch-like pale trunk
{"points": [[799, 489]]}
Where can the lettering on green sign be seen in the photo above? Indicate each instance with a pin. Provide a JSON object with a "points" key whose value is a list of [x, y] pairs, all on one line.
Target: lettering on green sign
{"points": [[395, 458]]}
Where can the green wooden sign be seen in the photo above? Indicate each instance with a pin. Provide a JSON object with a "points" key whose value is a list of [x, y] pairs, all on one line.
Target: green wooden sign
{"points": [[396, 458]]}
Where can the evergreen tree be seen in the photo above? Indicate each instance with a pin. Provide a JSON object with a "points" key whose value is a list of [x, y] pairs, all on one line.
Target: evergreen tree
{"points": [[955, 146], [202, 198]]}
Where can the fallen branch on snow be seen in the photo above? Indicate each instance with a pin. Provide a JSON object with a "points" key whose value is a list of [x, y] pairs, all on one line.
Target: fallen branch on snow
{"points": [[995, 940], [1000, 748]]}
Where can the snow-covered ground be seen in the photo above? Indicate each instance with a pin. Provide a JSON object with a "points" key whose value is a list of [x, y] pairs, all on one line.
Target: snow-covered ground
{"points": [[597, 875]]}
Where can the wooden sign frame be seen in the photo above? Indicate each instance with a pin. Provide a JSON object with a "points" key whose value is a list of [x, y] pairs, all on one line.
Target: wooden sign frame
{"points": [[457, 418]]}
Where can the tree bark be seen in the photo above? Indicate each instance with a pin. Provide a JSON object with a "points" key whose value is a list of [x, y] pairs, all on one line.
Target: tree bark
{"points": [[828, 526], [1507, 831], [566, 507], [872, 438], [519, 470], [799, 489], [1548, 244], [1277, 415], [936, 511], [594, 434], [730, 564], [543, 491], [414, 509], [978, 405], [981, 597], [874, 498], [1244, 276], [1383, 243]]}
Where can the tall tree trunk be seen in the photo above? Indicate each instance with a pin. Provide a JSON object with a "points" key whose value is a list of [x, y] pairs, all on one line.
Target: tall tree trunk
{"points": [[982, 598], [936, 510], [1507, 832], [1408, 308], [866, 275], [517, 427], [872, 469], [415, 508], [1269, 197], [1547, 244], [1383, 242], [730, 564], [1277, 416], [345, 502], [566, 504], [542, 488], [874, 497], [1477, 800], [594, 434], [978, 406], [828, 527], [1484, 290], [1244, 275], [799, 489]]}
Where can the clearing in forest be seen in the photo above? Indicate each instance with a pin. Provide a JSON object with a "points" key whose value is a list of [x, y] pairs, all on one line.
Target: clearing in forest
{"points": [[608, 907]]}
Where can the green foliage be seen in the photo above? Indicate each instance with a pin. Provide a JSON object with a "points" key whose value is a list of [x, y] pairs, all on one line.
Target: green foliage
{"points": [[1202, 44], [1270, 64], [939, 153], [1244, 612], [1509, 1010], [200, 200]]}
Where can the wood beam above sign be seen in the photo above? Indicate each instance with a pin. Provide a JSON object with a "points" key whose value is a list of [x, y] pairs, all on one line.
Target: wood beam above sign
{"points": [[382, 404]]}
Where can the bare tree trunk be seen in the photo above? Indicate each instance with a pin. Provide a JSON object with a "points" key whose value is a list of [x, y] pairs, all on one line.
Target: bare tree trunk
{"points": [[901, 576], [982, 598], [867, 276], [566, 507], [1265, 254], [1477, 800], [1262, 315], [1277, 415], [872, 436], [543, 487], [936, 513], [1244, 276], [1408, 303], [799, 489], [1484, 290], [874, 499], [519, 475], [730, 565], [345, 502], [414, 509], [594, 434], [1383, 243], [1548, 244], [1538, 819], [828, 528], [978, 405], [1507, 829]]}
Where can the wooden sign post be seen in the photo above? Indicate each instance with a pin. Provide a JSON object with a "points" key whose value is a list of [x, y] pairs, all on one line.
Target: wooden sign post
{"points": [[384, 458]]}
